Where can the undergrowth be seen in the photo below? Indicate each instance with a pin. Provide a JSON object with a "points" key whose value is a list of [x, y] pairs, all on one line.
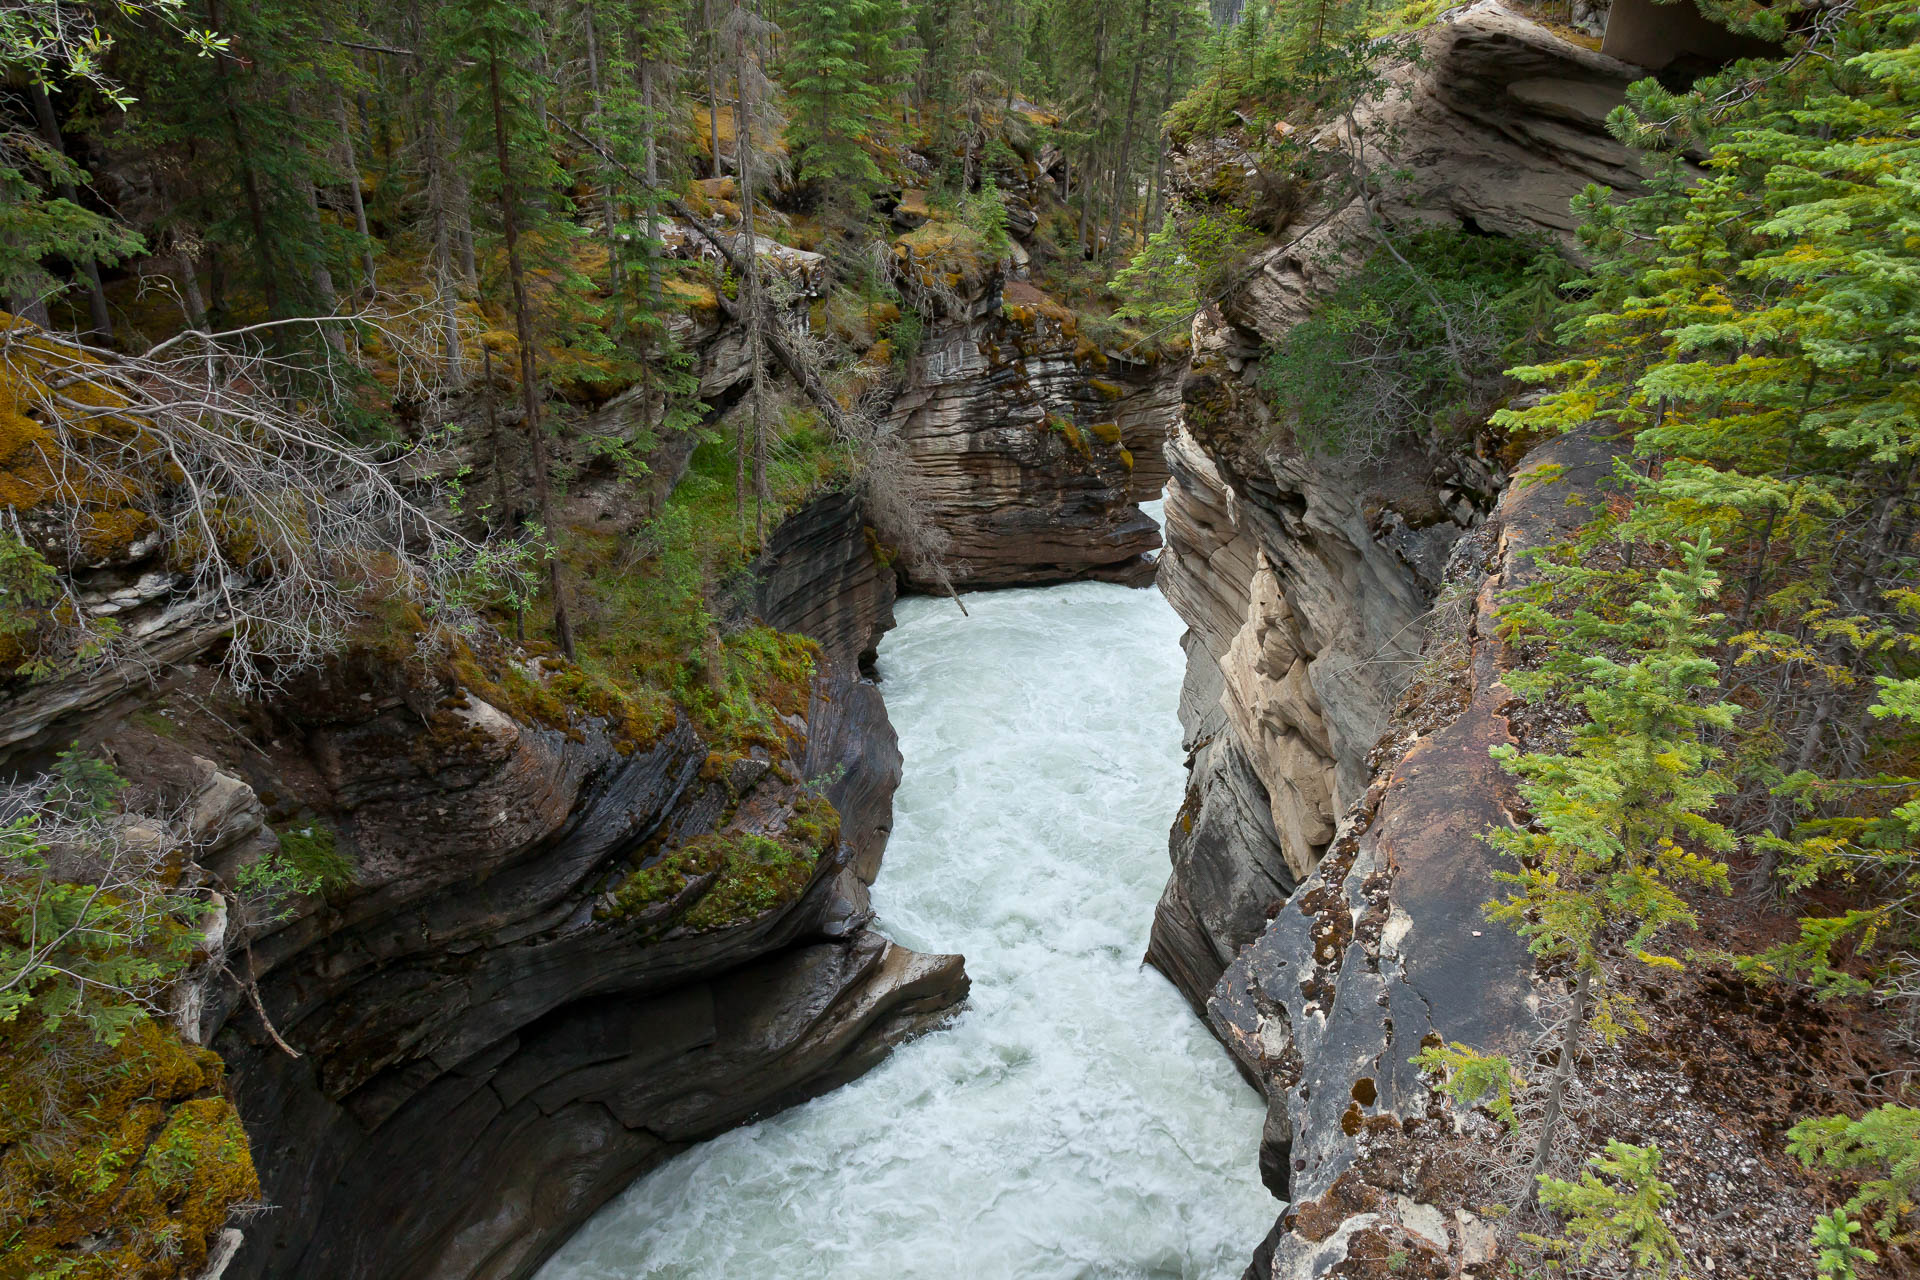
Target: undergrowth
{"points": [[656, 615], [1403, 352], [749, 873]]}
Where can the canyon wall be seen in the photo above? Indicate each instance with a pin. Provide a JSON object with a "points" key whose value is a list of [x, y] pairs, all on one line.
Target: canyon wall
{"points": [[1323, 906], [1304, 577], [1033, 443], [490, 1023], [1383, 948]]}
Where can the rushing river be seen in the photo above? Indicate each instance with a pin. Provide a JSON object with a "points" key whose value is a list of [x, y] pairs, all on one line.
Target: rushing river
{"points": [[1075, 1122]]}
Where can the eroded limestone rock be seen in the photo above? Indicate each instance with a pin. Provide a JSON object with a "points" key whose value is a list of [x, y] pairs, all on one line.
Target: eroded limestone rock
{"points": [[1306, 577]]}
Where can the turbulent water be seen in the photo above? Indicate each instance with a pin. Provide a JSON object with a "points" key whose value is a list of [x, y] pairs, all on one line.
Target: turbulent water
{"points": [[1075, 1121]]}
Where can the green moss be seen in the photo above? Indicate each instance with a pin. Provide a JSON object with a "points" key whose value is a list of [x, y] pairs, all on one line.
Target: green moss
{"points": [[752, 873], [1072, 434], [654, 628], [156, 723], [883, 554], [117, 1162], [1107, 433], [758, 875], [1106, 390], [552, 692]]}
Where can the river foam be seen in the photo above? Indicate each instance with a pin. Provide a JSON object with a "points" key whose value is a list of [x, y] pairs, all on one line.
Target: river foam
{"points": [[1075, 1122]]}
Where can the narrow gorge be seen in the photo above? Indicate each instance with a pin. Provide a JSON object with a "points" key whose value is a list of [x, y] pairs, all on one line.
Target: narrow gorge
{"points": [[1043, 639]]}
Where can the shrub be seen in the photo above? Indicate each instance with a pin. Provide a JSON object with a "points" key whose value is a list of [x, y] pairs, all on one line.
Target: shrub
{"points": [[1183, 266], [1409, 350]]}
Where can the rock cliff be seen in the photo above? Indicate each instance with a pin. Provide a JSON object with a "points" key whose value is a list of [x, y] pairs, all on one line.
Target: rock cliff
{"points": [[1383, 946], [1323, 907], [1305, 579], [558, 941], [1032, 443]]}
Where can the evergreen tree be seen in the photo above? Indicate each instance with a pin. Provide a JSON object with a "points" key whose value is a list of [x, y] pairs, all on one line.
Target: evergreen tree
{"points": [[1618, 817], [1616, 1210], [1618, 820], [835, 97], [515, 172]]}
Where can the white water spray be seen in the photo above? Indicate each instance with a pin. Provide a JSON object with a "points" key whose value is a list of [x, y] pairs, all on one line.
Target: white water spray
{"points": [[1076, 1122]]}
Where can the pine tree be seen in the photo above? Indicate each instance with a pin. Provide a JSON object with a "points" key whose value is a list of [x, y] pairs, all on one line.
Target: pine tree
{"points": [[1618, 817], [514, 169]]}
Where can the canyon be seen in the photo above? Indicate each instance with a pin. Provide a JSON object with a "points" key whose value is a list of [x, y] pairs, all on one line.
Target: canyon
{"points": [[508, 1043]]}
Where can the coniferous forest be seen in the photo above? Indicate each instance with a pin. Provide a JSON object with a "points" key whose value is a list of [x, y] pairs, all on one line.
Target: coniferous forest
{"points": [[460, 460]]}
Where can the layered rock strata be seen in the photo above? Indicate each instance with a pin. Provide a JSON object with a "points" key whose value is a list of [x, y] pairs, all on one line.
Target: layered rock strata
{"points": [[497, 1027], [1384, 950], [1031, 444], [1305, 579]]}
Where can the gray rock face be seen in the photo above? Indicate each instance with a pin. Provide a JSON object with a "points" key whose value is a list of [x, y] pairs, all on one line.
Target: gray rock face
{"points": [[490, 1047], [1384, 946], [1305, 579]]}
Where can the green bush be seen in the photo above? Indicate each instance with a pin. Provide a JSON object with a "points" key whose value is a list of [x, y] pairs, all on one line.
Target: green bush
{"points": [[100, 951], [1405, 351], [1183, 266]]}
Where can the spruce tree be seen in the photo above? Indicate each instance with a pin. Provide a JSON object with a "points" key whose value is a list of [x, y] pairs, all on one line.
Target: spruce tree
{"points": [[1618, 820], [835, 97], [514, 170], [1618, 824]]}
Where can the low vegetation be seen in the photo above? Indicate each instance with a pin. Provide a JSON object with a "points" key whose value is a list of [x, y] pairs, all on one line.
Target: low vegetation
{"points": [[1410, 351], [1734, 632]]}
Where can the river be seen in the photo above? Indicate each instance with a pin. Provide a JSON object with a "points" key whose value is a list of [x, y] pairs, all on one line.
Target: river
{"points": [[1075, 1122]]}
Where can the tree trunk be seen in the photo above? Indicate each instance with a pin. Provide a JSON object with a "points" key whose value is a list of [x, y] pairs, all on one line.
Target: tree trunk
{"points": [[1123, 163], [1562, 1078], [651, 139], [606, 173], [713, 91], [1089, 191], [755, 306], [319, 276], [189, 270], [353, 188], [1090, 183], [440, 221], [529, 365], [96, 297], [249, 181], [1157, 189]]}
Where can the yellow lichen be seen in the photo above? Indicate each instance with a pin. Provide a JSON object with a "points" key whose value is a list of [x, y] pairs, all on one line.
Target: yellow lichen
{"points": [[93, 462], [690, 295], [117, 1162]]}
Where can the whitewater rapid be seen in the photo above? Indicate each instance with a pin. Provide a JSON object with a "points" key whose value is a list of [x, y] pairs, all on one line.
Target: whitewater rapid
{"points": [[1075, 1122]]}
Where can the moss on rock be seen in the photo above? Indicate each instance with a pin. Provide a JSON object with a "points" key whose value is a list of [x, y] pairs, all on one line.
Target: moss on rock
{"points": [[117, 1162]]}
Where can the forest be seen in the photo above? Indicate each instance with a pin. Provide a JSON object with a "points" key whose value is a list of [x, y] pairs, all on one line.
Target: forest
{"points": [[345, 325]]}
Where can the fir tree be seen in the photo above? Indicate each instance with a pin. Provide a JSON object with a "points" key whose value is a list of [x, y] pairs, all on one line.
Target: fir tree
{"points": [[1618, 820], [514, 170], [835, 97]]}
